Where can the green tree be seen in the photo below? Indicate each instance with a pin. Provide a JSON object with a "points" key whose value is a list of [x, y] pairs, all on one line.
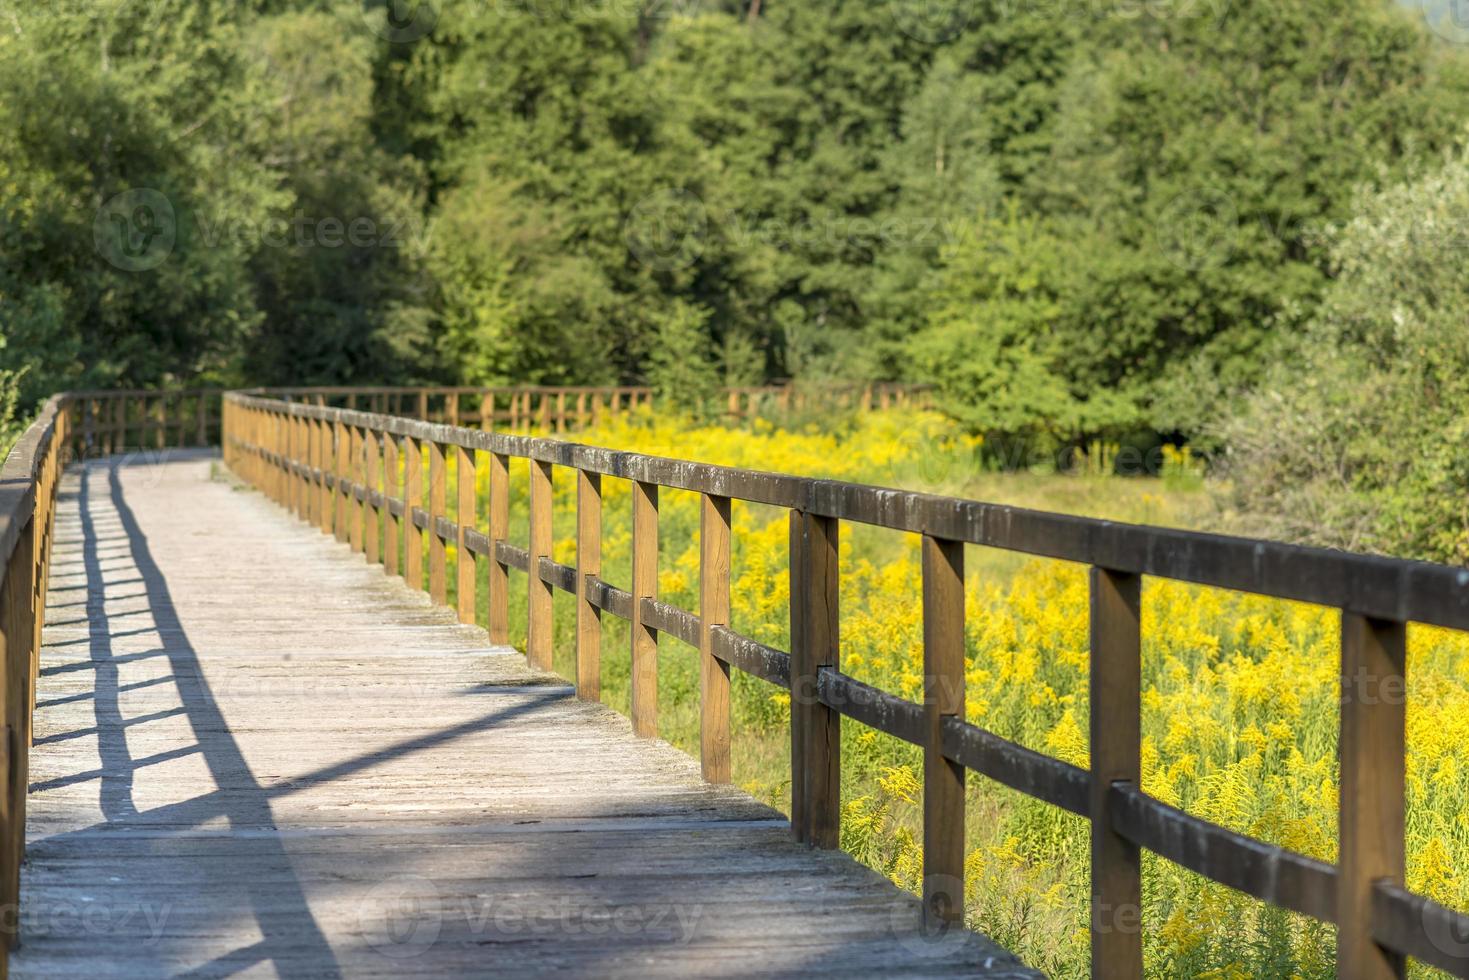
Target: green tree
{"points": [[1354, 437]]}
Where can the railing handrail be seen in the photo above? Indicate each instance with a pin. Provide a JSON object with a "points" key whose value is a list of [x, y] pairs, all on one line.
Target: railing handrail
{"points": [[317, 460], [1374, 585], [18, 473]]}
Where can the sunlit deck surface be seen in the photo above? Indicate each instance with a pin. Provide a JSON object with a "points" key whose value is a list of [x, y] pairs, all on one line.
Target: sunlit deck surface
{"points": [[256, 755]]}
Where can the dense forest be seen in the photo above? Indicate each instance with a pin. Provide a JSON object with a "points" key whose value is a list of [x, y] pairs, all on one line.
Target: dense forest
{"points": [[1232, 222]]}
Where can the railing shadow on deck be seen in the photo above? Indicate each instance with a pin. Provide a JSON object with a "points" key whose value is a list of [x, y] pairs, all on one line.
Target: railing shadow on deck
{"points": [[238, 798]]}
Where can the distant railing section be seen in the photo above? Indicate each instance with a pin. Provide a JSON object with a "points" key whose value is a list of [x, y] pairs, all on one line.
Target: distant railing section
{"points": [[340, 470], [834, 396], [550, 409], [107, 422]]}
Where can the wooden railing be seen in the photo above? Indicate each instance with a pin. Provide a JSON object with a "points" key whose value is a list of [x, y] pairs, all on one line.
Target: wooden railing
{"points": [[108, 422], [837, 396], [69, 426], [28, 486], [339, 470], [568, 409]]}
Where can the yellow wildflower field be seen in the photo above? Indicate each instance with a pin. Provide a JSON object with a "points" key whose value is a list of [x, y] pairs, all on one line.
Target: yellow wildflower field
{"points": [[1239, 695]]}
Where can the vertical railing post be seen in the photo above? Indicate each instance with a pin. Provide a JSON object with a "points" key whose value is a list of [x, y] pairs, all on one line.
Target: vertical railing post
{"points": [[201, 407], [412, 501], [943, 697], [373, 532], [438, 572], [323, 451], [288, 456], [588, 566], [393, 533], [497, 587], [815, 644], [1372, 790], [89, 429], [356, 509], [160, 422], [1116, 757], [304, 498], [467, 512], [340, 455], [539, 625], [265, 446], [644, 586], [714, 565], [104, 427]]}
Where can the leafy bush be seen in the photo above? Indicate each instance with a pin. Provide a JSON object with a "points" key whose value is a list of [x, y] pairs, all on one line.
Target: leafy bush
{"points": [[1355, 438]]}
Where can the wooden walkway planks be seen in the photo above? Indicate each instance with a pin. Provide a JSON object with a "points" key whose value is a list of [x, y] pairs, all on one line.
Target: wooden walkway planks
{"points": [[257, 756]]}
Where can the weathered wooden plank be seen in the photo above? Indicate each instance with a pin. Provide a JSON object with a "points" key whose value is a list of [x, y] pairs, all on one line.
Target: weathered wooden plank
{"points": [[588, 567], [943, 697], [1265, 871], [714, 568], [539, 620], [412, 500], [1372, 752], [816, 734], [498, 586], [644, 586], [467, 516], [438, 574], [1116, 732]]}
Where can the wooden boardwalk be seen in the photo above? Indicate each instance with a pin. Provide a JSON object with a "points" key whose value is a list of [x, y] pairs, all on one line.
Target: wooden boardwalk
{"points": [[255, 755]]}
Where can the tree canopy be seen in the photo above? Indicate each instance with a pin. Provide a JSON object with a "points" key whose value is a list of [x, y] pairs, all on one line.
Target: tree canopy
{"points": [[1076, 226]]}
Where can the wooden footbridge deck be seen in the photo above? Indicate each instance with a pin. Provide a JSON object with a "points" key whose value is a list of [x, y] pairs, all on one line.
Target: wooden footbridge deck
{"points": [[254, 750], [236, 742]]}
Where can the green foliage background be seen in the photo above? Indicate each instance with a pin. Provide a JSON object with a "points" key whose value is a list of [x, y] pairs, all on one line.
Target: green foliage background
{"points": [[1099, 220]]}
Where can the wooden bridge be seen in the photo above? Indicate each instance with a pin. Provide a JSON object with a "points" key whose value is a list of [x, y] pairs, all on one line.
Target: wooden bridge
{"points": [[232, 745]]}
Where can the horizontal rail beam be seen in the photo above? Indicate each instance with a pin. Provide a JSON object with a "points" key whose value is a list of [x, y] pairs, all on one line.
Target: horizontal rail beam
{"points": [[508, 554], [610, 598], [1421, 928], [671, 620], [1272, 874], [752, 657], [871, 706], [1011, 764], [560, 576]]}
